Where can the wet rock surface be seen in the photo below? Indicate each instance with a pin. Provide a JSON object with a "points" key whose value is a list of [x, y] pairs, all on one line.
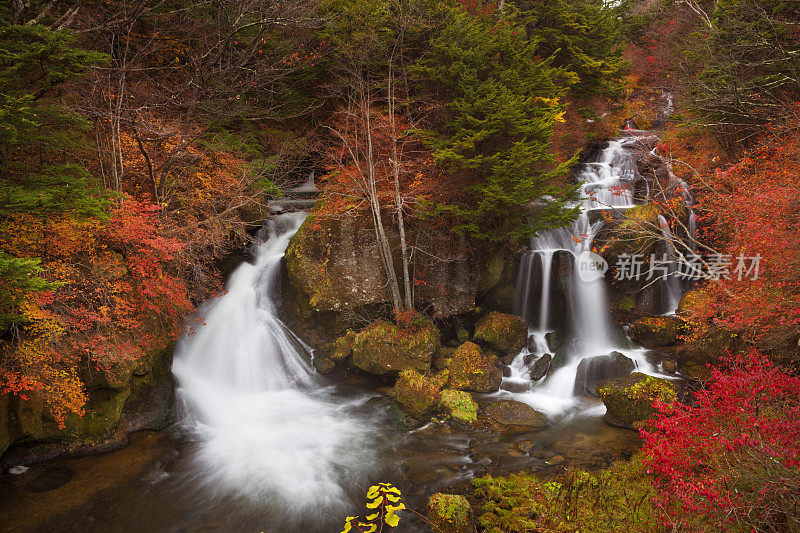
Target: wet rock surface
{"points": [[594, 371]]}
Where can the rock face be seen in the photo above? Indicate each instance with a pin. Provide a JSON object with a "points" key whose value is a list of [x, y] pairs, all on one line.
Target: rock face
{"points": [[450, 513], [594, 371], [458, 406], [502, 332], [655, 332], [472, 370], [516, 417], [629, 400], [131, 399], [417, 394], [383, 347], [333, 264]]}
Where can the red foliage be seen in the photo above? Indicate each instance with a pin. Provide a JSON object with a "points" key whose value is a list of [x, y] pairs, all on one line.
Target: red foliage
{"points": [[753, 208], [734, 459]]}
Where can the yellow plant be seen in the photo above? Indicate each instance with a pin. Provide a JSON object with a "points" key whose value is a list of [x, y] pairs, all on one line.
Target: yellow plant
{"points": [[383, 502]]}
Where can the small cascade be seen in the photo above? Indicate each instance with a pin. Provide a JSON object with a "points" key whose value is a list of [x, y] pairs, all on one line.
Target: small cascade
{"points": [[608, 185], [267, 427], [671, 283]]}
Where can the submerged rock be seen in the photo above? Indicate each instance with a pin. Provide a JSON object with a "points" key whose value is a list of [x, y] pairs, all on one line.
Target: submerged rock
{"points": [[502, 332], [450, 513], [541, 367], [384, 347], [472, 370], [417, 394], [516, 417], [458, 406], [655, 332], [594, 371], [629, 400]]}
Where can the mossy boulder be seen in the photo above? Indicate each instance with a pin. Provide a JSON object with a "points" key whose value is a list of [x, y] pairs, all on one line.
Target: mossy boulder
{"points": [[450, 513], [458, 406], [655, 332], [323, 365], [341, 348], [705, 348], [418, 395], [516, 417], [442, 358], [333, 264], [688, 301], [502, 332], [385, 347], [629, 400], [472, 370], [554, 339], [594, 371]]}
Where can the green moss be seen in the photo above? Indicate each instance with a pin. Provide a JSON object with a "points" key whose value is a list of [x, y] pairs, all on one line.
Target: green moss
{"points": [[384, 347], [450, 513], [629, 401], [615, 499], [471, 370], [459, 406], [654, 332], [417, 394], [502, 332]]}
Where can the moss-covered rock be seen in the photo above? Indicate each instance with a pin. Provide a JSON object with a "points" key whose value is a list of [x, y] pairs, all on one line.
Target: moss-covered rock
{"points": [[705, 348], [341, 348], [502, 332], [472, 370], [654, 332], [594, 371], [442, 358], [458, 406], [688, 301], [629, 400], [333, 264], [323, 365], [417, 394], [516, 417], [384, 347], [450, 513]]}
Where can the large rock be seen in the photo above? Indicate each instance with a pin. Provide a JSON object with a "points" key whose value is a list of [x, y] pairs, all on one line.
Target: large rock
{"points": [[594, 371], [540, 367], [417, 394], [655, 332], [383, 347], [472, 370], [629, 400], [334, 265], [450, 513], [502, 332], [705, 348], [516, 417], [458, 406]]}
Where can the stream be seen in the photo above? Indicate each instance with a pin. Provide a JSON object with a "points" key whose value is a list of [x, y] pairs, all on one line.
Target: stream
{"points": [[264, 443]]}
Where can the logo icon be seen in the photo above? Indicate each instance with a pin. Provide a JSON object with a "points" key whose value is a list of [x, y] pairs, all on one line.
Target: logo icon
{"points": [[591, 266]]}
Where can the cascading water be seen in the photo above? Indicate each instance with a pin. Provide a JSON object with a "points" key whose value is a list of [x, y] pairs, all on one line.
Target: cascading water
{"points": [[608, 184], [267, 427]]}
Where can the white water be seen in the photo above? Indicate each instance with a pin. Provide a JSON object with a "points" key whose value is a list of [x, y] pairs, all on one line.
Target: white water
{"points": [[608, 185], [268, 428]]}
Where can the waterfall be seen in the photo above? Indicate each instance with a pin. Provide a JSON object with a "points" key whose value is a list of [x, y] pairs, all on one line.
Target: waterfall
{"points": [[608, 184], [670, 280], [267, 427]]}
